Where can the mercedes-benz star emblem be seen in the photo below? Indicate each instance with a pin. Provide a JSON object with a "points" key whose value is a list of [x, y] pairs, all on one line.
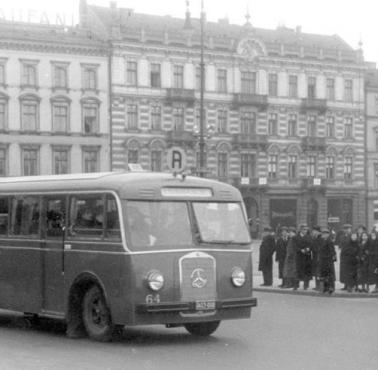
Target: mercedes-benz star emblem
{"points": [[198, 278]]}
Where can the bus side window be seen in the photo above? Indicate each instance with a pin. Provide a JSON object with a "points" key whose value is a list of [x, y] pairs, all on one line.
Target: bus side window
{"points": [[4, 213], [55, 216], [112, 220], [25, 215]]}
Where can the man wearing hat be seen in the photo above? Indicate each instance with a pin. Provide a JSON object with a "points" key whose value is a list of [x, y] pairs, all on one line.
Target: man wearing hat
{"points": [[343, 242], [267, 248], [315, 246], [281, 246], [303, 244], [290, 264], [327, 257]]}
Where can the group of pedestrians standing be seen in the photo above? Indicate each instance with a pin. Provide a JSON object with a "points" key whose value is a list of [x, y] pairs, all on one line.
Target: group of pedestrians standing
{"points": [[304, 254]]}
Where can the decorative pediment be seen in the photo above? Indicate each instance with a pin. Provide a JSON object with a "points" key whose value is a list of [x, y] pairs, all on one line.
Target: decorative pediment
{"points": [[251, 48]]}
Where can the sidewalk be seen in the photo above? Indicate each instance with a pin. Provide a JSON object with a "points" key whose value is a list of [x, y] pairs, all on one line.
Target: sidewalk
{"points": [[258, 280]]}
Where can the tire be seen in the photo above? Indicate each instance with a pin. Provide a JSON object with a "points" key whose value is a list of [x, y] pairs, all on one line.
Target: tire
{"points": [[96, 316], [202, 329]]}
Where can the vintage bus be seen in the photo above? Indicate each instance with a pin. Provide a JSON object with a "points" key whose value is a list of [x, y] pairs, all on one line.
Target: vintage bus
{"points": [[105, 250]]}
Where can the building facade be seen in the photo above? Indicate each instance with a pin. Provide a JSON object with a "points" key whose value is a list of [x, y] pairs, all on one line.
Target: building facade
{"points": [[284, 110], [53, 100]]}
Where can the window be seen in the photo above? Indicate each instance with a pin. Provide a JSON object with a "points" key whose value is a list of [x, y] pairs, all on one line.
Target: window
{"points": [[90, 77], [247, 122], [330, 126], [132, 117], [25, 216], [90, 117], [60, 73], [156, 117], [3, 162], [3, 114], [348, 127], [132, 73], [330, 167], [273, 84], [293, 86], [292, 125], [60, 161], [292, 167], [178, 119], [247, 165], [29, 113], [60, 116], [90, 160], [272, 124], [311, 126], [30, 161], [155, 75], [222, 164], [29, 76], [222, 120], [330, 89], [156, 160], [4, 215], [178, 76], [132, 156], [311, 166], [86, 217], [248, 82], [272, 166], [55, 215], [348, 90], [311, 88], [222, 80], [348, 164]]}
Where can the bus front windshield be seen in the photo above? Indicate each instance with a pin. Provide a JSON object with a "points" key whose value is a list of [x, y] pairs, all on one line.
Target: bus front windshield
{"points": [[221, 223]]}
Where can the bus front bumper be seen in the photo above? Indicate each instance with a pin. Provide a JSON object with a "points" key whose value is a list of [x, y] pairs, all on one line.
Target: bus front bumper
{"points": [[192, 306]]}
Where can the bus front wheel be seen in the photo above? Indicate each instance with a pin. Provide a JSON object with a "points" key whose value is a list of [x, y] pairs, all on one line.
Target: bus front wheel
{"points": [[96, 315], [202, 329]]}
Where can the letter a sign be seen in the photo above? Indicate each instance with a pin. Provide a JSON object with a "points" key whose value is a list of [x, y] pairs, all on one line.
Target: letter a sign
{"points": [[176, 159]]}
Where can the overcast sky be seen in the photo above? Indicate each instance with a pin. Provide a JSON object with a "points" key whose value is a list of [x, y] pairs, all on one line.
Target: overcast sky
{"points": [[351, 19]]}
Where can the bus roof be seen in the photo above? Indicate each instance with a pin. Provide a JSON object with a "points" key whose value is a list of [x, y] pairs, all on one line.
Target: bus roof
{"points": [[134, 185]]}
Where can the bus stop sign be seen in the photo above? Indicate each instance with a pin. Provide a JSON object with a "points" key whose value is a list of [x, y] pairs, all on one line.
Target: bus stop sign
{"points": [[176, 159]]}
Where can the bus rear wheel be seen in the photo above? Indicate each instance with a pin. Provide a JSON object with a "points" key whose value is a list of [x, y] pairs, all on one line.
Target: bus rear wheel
{"points": [[202, 329], [96, 316]]}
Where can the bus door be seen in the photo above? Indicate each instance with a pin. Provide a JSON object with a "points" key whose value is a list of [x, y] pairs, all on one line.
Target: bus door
{"points": [[21, 254], [53, 261]]}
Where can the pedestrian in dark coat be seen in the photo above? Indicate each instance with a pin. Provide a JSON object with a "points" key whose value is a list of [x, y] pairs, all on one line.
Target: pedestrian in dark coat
{"points": [[290, 265], [315, 246], [373, 247], [281, 246], [267, 248], [350, 252], [327, 257], [374, 262], [304, 260], [363, 263], [343, 241]]}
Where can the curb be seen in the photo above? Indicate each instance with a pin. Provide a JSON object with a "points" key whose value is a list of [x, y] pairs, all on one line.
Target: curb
{"points": [[312, 293]]}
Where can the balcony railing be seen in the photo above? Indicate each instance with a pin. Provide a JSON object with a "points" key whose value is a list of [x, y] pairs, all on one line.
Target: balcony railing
{"points": [[181, 95], [319, 105], [252, 141], [255, 100], [312, 143]]}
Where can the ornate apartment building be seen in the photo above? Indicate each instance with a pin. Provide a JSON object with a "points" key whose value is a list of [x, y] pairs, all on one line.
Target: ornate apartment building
{"points": [[53, 100], [284, 110]]}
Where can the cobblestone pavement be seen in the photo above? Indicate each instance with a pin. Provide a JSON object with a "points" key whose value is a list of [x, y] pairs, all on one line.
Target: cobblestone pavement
{"points": [[258, 280]]}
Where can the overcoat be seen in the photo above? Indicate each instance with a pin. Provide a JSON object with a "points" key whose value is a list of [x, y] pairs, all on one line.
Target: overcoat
{"points": [[327, 257], [349, 253], [303, 256], [281, 247], [290, 265], [363, 263], [267, 248], [344, 240]]}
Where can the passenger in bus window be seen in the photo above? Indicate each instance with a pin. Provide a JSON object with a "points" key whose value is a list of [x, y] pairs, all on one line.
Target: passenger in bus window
{"points": [[139, 228], [99, 217], [86, 219]]}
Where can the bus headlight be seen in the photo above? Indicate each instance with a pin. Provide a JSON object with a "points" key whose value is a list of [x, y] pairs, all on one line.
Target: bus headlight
{"points": [[238, 277], [155, 280]]}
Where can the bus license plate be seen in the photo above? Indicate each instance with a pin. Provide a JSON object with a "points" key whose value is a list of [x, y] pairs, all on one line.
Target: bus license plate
{"points": [[205, 305]]}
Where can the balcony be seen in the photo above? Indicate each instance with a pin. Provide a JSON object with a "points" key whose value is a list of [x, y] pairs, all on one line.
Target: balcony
{"points": [[181, 96], [313, 104], [255, 100], [312, 143], [313, 184], [249, 141], [180, 138]]}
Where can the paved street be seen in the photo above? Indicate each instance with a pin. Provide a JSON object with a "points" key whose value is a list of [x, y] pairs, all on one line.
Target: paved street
{"points": [[285, 332]]}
